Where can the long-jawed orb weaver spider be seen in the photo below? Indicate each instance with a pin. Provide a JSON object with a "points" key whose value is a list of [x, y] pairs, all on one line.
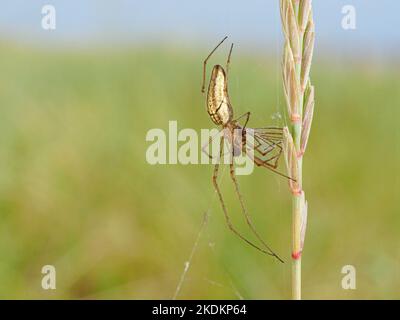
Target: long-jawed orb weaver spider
{"points": [[267, 142]]}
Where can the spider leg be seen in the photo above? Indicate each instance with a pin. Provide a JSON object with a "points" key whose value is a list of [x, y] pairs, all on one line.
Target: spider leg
{"points": [[272, 147], [205, 146], [205, 64], [247, 115], [264, 163], [275, 157], [210, 139], [247, 215], [261, 163], [225, 211], [229, 60]]}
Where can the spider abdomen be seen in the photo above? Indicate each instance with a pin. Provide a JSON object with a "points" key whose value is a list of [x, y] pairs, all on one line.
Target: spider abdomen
{"points": [[218, 104]]}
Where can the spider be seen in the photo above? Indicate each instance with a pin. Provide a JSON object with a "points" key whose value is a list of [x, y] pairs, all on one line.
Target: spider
{"points": [[267, 142]]}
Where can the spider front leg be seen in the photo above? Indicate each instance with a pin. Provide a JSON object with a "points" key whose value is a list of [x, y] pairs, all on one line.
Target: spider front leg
{"points": [[275, 158], [272, 161], [205, 63]]}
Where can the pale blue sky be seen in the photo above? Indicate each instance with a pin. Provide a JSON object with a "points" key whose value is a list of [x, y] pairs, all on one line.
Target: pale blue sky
{"points": [[254, 23]]}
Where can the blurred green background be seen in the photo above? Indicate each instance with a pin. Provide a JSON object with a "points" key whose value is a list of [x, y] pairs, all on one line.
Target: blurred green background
{"points": [[76, 191]]}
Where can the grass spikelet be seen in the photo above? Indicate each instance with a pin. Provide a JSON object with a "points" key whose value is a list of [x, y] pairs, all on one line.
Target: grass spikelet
{"points": [[298, 29]]}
